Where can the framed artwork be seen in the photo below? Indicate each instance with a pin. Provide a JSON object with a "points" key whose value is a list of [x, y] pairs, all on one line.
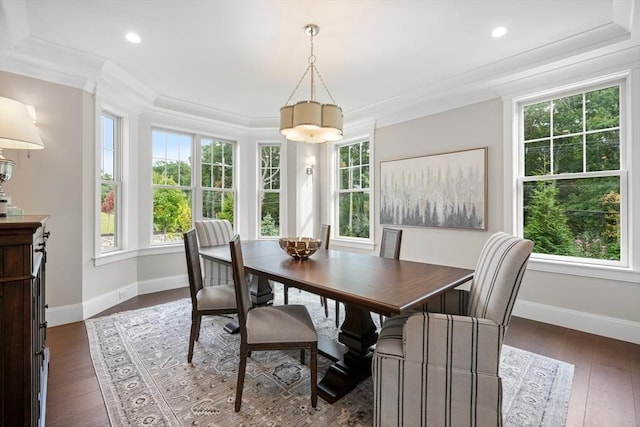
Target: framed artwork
{"points": [[446, 190]]}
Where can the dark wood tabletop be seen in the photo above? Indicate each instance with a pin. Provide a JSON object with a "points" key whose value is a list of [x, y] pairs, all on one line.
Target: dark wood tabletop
{"points": [[382, 285], [364, 283]]}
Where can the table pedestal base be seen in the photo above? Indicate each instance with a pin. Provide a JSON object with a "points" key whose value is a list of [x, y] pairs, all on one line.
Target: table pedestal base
{"points": [[261, 291], [358, 334]]}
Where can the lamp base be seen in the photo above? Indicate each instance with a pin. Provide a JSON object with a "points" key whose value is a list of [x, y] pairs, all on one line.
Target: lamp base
{"points": [[14, 211]]}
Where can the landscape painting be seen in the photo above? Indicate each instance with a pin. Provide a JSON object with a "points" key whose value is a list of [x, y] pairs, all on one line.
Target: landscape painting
{"points": [[446, 190]]}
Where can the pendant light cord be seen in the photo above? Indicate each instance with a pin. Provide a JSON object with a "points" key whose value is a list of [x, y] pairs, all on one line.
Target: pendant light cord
{"points": [[314, 70]]}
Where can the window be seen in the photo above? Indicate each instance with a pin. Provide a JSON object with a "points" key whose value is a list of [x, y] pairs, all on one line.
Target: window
{"points": [[217, 171], [353, 199], [171, 181], [110, 183], [570, 177], [269, 190], [177, 190]]}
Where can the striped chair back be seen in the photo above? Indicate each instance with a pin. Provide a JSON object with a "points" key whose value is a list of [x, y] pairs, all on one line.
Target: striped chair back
{"points": [[497, 277], [215, 232]]}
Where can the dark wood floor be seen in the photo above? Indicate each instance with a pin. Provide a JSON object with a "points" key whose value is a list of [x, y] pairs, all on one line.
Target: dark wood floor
{"points": [[605, 392]]}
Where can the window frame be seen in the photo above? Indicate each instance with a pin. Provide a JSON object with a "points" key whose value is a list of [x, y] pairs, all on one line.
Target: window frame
{"points": [[199, 190], [182, 188], [260, 190], [514, 190], [116, 181], [196, 188], [361, 242]]}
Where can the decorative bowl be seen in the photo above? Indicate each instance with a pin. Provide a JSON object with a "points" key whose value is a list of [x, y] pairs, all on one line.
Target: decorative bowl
{"points": [[299, 247]]}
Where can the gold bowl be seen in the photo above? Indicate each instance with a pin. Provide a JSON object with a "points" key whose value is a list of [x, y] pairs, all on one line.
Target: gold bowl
{"points": [[299, 247]]}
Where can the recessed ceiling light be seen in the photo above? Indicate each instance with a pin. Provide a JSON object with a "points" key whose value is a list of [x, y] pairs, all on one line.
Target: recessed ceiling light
{"points": [[133, 38], [498, 32]]}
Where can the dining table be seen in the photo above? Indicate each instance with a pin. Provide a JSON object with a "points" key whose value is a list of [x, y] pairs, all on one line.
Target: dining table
{"points": [[363, 283]]}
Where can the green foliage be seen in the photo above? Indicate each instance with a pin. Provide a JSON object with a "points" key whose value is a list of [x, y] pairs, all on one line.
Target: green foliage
{"points": [[217, 164], [270, 208], [172, 173], [171, 208], [581, 216], [227, 207], [354, 214], [268, 226], [353, 206], [546, 222]]}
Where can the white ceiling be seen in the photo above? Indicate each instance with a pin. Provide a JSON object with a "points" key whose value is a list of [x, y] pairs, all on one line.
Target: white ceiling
{"points": [[244, 58]]}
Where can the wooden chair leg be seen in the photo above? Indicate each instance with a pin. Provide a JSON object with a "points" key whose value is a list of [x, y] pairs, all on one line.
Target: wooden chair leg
{"points": [[241, 371], [195, 325], [198, 323], [381, 319], [302, 356], [286, 294], [313, 365], [323, 302], [337, 315]]}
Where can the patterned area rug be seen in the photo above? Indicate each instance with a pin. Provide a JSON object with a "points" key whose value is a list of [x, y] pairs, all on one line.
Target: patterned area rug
{"points": [[140, 360]]}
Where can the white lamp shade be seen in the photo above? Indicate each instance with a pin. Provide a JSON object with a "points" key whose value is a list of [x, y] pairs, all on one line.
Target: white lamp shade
{"points": [[310, 121], [17, 130]]}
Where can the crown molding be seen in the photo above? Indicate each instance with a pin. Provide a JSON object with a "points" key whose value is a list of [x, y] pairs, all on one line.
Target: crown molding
{"points": [[482, 83], [174, 104], [121, 89]]}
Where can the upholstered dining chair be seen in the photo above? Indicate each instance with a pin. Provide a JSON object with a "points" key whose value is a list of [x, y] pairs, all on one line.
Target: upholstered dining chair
{"points": [[282, 327], [215, 232], [210, 300], [441, 368], [325, 234]]}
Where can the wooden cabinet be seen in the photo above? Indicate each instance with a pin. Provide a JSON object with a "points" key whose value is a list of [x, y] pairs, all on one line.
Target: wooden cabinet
{"points": [[24, 358]]}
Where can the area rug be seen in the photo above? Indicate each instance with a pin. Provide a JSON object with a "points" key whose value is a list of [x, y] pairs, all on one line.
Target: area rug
{"points": [[140, 361]]}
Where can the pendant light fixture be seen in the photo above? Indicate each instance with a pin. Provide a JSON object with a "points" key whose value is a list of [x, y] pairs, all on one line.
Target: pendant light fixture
{"points": [[311, 121]]}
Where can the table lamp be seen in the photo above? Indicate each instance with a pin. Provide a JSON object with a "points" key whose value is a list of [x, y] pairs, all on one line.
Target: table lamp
{"points": [[17, 131]]}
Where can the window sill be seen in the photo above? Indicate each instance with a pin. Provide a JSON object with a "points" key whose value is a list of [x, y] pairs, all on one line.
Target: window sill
{"points": [[115, 256], [361, 245], [585, 270]]}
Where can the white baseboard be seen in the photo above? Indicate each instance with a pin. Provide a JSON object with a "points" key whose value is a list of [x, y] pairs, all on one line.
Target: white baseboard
{"points": [[102, 302], [64, 314], [611, 327], [78, 312], [163, 284]]}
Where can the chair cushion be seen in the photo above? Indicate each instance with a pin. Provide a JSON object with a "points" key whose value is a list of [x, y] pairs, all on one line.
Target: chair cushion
{"points": [[390, 337], [214, 232], [280, 324], [216, 298]]}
